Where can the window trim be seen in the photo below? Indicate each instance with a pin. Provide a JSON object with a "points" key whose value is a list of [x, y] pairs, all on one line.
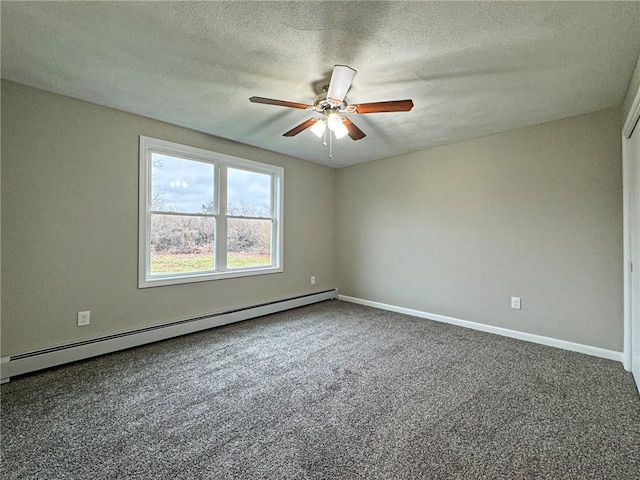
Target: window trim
{"points": [[149, 145]]}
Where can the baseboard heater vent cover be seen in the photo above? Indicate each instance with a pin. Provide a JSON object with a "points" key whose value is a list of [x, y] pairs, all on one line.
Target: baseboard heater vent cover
{"points": [[48, 357]]}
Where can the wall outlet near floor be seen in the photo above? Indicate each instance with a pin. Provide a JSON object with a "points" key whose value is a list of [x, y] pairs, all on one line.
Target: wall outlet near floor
{"points": [[515, 303], [84, 318], [313, 280]]}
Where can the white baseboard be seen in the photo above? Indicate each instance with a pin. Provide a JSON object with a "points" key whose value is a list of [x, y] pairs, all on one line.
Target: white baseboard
{"points": [[37, 360], [505, 332]]}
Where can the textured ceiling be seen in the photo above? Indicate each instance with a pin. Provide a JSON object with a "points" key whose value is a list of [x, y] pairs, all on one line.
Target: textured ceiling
{"points": [[472, 69]]}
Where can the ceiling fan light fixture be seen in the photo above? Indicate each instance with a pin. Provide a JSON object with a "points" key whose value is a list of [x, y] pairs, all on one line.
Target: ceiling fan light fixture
{"points": [[318, 128], [333, 121], [340, 130]]}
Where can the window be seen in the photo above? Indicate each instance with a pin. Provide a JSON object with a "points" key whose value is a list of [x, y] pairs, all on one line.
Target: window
{"points": [[205, 215]]}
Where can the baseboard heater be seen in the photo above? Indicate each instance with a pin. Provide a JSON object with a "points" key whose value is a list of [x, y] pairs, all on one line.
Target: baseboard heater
{"points": [[49, 357]]}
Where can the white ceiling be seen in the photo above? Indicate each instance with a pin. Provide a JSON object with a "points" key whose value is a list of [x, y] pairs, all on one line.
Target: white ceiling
{"points": [[472, 69]]}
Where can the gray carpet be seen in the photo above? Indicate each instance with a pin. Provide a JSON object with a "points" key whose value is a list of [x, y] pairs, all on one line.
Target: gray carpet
{"points": [[329, 391]]}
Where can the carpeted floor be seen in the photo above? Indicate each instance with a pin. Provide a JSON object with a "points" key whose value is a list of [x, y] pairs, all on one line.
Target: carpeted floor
{"points": [[329, 391]]}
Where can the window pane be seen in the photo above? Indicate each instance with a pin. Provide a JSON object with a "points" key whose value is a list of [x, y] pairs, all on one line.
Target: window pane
{"points": [[181, 244], [248, 193], [248, 242], [179, 185]]}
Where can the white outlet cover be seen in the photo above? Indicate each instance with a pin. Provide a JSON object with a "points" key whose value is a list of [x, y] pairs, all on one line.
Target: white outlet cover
{"points": [[84, 318], [515, 303]]}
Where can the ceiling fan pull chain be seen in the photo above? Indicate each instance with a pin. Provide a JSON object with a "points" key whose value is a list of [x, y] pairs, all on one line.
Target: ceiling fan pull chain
{"points": [[330, 146]]}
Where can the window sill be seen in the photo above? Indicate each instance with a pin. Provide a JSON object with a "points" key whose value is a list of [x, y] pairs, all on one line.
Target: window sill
{"points": [[177, 279]]}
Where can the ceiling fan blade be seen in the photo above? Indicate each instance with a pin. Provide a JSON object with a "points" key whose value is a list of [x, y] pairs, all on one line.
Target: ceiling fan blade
{"points": [[340, 83], [300, 128], [392, 106], [354, 132], [279, 103]]}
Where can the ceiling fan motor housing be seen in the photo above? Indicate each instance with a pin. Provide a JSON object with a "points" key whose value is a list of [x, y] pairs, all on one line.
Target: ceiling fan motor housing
{"points": [[322, 105]]}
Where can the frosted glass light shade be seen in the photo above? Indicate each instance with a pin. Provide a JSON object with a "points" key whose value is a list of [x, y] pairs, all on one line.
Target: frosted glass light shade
{"points": [[318, 128], [340, 130], [333, 121]]}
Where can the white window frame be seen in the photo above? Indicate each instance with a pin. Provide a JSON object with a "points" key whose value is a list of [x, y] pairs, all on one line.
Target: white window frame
{"points": [[148, 146]]}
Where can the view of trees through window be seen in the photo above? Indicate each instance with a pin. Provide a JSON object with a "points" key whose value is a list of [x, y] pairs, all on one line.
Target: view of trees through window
{"points": [[184, 217]]}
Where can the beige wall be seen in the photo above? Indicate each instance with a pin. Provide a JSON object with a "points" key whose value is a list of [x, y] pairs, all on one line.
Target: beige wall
{"points": [[69, 224], [455, 230], [459, 229]]}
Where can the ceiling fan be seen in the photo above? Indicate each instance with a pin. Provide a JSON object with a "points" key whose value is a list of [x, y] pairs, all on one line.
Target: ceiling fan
{"points": [[331, 104]]}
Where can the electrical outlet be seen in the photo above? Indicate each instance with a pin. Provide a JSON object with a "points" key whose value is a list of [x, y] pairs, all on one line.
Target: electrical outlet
{"points": [[84, 318], [313, 280], [515, 303]]}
